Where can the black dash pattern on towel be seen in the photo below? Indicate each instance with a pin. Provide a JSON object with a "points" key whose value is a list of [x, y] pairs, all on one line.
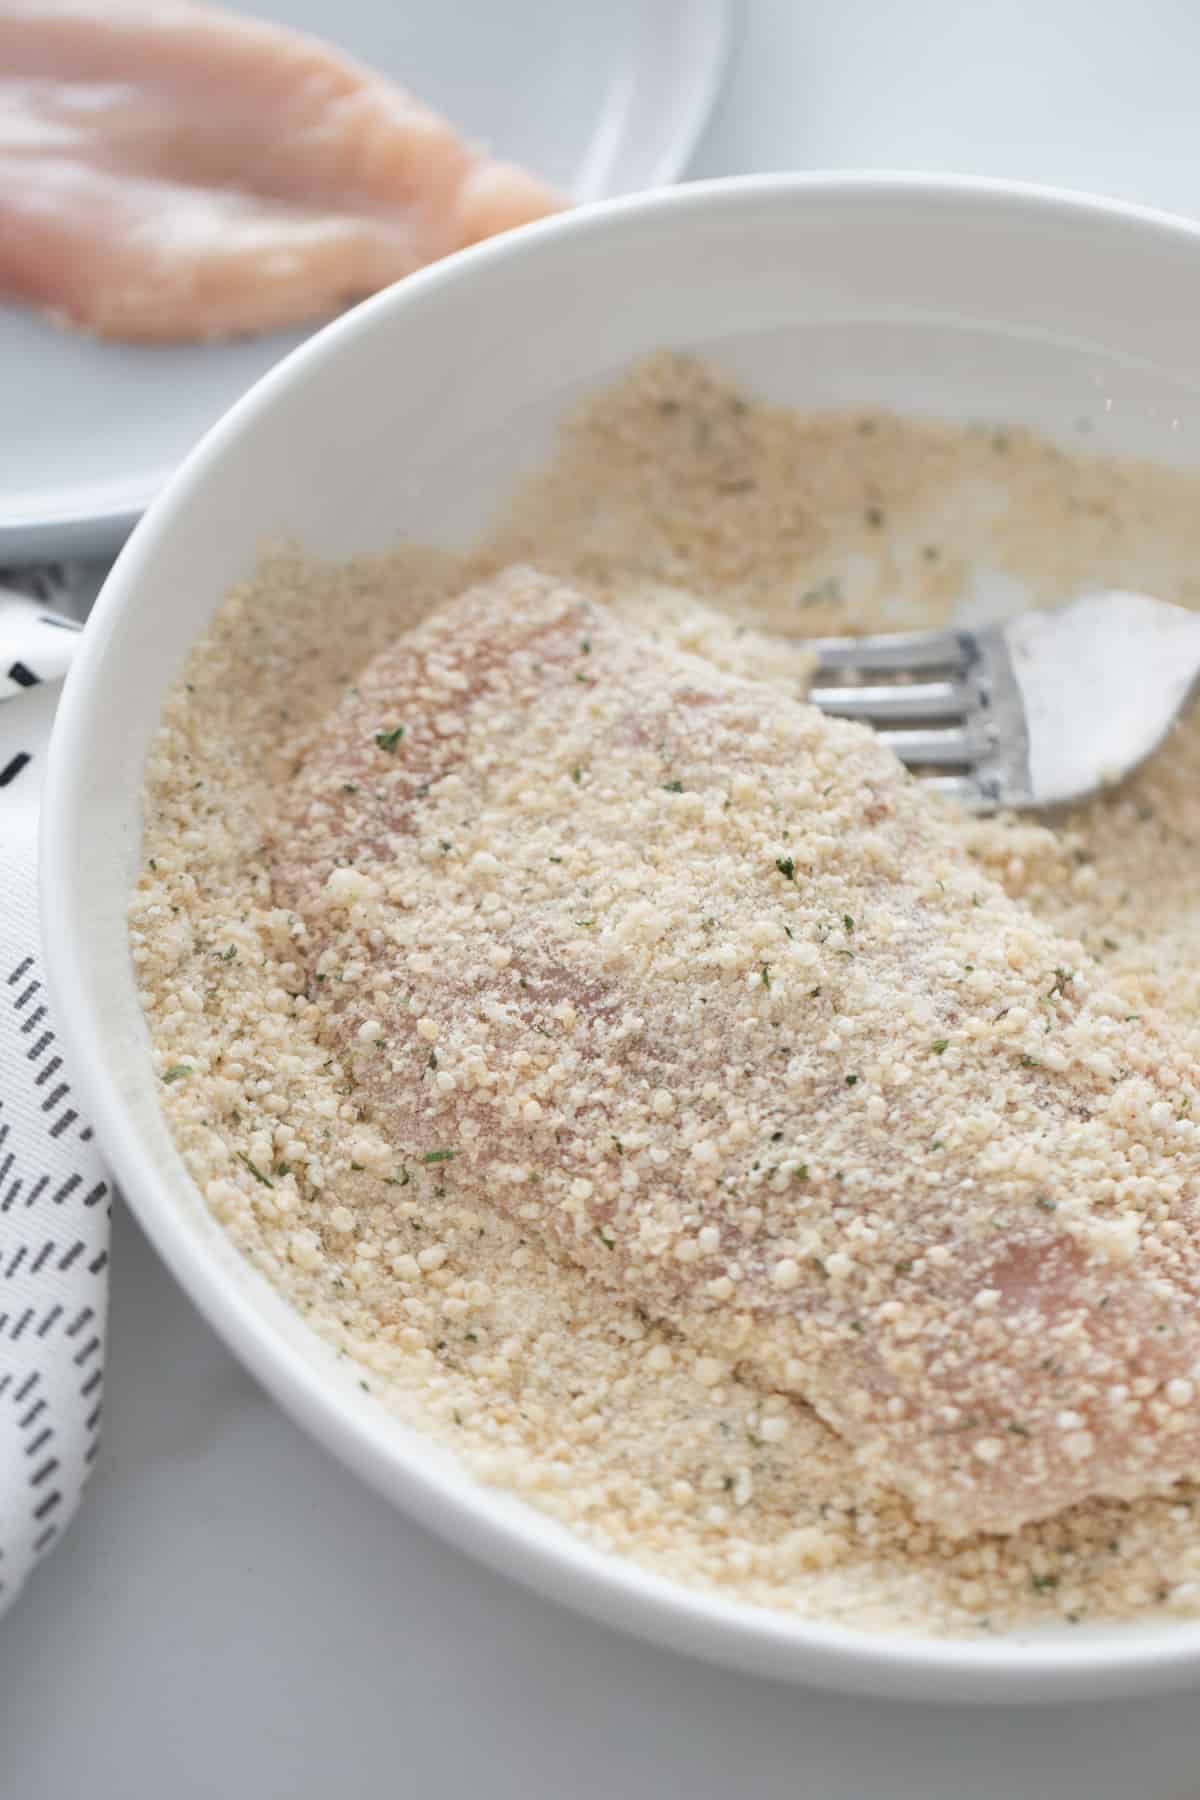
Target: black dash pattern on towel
{"points": [[54, 1195]]}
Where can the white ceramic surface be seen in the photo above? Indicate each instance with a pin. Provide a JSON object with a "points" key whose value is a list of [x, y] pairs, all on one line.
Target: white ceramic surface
{"points": [[1096, 94], [600, 99], [966, 301]]}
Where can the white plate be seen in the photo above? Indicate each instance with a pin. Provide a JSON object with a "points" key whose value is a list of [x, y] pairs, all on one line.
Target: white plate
{"points": [[601, 100]]}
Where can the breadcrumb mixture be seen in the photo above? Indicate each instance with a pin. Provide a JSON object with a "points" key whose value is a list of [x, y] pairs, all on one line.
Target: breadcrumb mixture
{"points": [[292, 1064]]}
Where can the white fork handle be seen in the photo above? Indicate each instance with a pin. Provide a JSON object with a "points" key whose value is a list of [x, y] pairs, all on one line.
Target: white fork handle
{"points": [[1102, 682]]}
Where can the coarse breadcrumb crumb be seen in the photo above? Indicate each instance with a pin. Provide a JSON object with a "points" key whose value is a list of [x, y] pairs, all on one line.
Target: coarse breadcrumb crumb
{"points": [[641, 1434]]}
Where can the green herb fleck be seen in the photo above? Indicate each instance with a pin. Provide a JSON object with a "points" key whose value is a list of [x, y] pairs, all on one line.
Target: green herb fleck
{"points": [[939, 1044], [852, 1081], [672, 787], [177, 1072], [609, 1242], [765, 973], [228, 955], [847, 921], [1045, 1204], [800, 1172], [437, 1156], [828, 591], [387, 740], [577, 775], [786, 867], [257, 1173]]}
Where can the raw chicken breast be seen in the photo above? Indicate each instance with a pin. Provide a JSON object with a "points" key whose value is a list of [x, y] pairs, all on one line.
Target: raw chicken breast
{"points": [[170, 171], [701, 987]]}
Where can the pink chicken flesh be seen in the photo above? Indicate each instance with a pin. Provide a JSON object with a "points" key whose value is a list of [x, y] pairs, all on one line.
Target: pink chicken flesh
{"points": [[169, 171]]}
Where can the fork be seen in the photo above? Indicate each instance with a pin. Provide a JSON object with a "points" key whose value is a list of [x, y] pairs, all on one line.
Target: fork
{"points": [[1041, 711]]}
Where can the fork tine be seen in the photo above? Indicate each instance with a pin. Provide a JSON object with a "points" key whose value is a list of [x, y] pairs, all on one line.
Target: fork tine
{"points": [[903, 652], [945, 703], [960, 788], [896, 702], [934, 747]]}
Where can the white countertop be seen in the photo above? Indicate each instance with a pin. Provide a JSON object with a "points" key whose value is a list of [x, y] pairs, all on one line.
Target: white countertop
{"points": [[233, 1614]]}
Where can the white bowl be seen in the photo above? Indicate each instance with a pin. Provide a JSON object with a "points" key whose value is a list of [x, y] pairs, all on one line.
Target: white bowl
{"points": [[410, 418]]}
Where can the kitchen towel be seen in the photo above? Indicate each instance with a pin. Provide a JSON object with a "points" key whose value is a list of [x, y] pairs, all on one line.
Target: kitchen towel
{"points": [[54, 1197]]}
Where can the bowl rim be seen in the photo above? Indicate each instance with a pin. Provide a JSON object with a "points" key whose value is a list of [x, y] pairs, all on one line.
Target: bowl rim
{"points": [[516, 1541]]}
